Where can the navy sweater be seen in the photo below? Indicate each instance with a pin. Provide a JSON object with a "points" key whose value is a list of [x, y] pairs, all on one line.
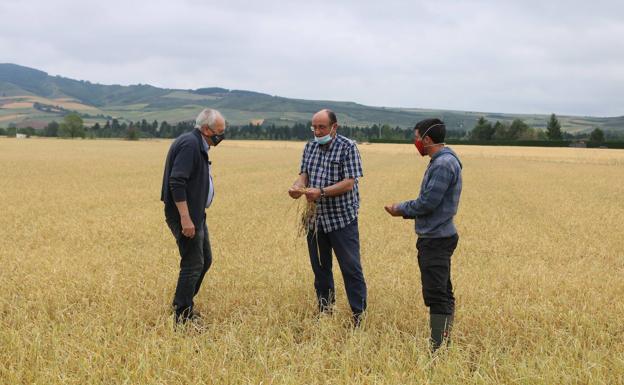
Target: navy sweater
{"points": [[186, 178]]}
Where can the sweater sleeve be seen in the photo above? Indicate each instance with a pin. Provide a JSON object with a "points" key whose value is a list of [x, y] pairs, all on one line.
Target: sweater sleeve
{"points": [[431, 195], [181, 172]]}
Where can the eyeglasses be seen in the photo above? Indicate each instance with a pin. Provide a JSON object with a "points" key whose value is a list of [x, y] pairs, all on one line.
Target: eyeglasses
{"points": [[320, 127]]}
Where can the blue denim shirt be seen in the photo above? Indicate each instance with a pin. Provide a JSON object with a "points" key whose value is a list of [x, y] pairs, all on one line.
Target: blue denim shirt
{"points": [[437, 203]]}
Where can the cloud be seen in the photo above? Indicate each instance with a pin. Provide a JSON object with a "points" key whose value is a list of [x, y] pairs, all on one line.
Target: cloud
{"points": [[507, 56]]}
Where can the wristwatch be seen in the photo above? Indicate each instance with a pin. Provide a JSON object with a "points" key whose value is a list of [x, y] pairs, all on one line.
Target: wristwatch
{"points": [[322, 193]]}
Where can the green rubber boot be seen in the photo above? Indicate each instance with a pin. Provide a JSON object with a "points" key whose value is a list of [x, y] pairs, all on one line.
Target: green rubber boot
{"points": [[441, 325]]}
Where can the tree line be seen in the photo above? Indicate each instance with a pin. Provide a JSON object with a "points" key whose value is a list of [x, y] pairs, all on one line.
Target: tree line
{"points": [[484, 130], [72, 126]]}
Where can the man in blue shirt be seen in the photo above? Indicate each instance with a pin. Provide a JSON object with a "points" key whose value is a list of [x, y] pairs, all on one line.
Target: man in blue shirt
{"points": [[329, 172], [187, 191], [433, 211]]}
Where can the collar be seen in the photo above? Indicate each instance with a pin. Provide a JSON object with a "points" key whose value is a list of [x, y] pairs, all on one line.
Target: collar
{"points": [[204, 146], [443, 150]]}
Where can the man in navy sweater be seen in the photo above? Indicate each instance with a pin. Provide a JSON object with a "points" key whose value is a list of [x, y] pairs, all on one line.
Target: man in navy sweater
{"points": [[433, 211], [187, 190]]}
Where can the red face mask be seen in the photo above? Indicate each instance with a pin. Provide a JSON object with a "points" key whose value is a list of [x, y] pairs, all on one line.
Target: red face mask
{"points": [[420, 146], [419, 143]]}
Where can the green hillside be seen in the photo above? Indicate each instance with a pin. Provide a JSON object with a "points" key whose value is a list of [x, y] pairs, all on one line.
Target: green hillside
{"points": [[23, 89]]}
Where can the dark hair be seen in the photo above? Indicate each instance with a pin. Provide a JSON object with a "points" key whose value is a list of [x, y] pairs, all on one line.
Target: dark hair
{"points": [[435, 129], [332, 116]]}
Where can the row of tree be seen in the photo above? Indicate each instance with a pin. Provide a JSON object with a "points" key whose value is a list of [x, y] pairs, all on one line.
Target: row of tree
{"points": [[519, 130], [301, 131], [73, 126]]}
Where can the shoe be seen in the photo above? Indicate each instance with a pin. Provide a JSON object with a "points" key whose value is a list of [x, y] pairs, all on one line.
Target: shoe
{"points": [[325, 306], [358, 318], [187, 316], [328, 311]]}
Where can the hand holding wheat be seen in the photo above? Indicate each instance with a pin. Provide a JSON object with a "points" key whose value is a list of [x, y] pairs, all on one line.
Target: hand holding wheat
{"points": [[296, 191], [306, 212]]}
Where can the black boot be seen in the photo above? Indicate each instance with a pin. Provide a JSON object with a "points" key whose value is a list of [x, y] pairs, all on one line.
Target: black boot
{"points": [[441, 325]]}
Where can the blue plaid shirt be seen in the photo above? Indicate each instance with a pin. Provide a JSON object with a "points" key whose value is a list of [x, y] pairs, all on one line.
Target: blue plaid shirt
{"points": [[328, 165], [438, 200]]}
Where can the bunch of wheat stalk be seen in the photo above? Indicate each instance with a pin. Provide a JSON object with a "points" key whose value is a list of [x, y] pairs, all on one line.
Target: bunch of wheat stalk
{"points": [[307, 215]]}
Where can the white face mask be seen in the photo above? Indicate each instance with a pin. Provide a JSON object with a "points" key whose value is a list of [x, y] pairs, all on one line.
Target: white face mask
{"points": [[323, 139]]}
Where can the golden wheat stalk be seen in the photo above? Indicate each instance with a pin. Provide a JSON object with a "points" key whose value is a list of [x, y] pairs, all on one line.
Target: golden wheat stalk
{"points": [[306, 214]]}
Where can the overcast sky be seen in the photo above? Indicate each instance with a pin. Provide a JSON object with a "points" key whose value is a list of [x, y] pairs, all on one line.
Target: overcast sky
{"points": [[526, 56]]}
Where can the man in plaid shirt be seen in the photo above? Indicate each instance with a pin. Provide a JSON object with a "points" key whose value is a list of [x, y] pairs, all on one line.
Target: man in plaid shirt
{"points": [[433, 211], [329, 173]]}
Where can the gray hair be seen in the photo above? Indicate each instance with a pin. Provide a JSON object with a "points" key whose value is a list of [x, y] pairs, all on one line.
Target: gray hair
{"points": [[208, 117]]}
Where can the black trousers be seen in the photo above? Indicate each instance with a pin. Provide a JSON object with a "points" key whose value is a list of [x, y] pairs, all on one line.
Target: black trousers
{"points": [[345, 243], [195, 260], [434, 261]]}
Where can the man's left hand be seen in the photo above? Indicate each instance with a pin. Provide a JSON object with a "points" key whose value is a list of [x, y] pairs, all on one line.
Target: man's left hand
{"points": [[393, 210], [313, 194]]}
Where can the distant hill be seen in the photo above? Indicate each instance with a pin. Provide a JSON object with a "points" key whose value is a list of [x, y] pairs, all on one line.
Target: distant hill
{"points": [[32, 97]]}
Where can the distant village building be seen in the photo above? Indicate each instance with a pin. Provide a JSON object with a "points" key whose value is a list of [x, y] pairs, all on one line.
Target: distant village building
{"points": [[579, 144]]}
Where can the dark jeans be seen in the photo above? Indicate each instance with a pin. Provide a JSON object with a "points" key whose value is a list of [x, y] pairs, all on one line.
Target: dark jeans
{"points": [[346, 244], [195, 260], [434, 260]]}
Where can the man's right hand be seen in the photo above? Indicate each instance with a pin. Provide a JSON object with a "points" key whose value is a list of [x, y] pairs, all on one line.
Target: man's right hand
{"points": [[188, 228], [296, 192], [393, 210]]}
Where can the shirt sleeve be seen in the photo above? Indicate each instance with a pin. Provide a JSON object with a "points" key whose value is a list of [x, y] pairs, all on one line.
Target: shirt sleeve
{"points": [[352, 166], [304, 157], [431, 195]]}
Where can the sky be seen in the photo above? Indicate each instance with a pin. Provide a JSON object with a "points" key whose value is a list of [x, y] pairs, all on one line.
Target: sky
{"points": [[563, 57]]}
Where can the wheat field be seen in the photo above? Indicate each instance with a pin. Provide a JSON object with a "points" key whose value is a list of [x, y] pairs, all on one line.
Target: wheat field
{"points": [[88, 269]]}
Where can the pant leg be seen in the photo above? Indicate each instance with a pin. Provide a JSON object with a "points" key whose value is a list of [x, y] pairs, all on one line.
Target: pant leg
{"points": [[434, 260], [207, 253], [321, 260], [449, 286], [346, 245], [191, 266]]}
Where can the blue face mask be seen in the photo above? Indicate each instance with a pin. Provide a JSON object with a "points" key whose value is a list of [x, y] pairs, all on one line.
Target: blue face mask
{"points": [[323, 139]]}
